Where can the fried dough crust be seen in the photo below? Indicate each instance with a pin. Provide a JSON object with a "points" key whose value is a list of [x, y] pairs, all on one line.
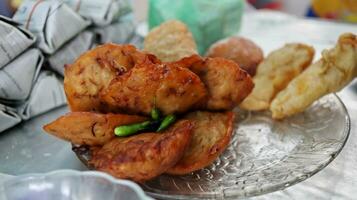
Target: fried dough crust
{"points": [[144, 156], [275, 72], [336, 68], [210, 137], [94, 70], [87, 128], [171, 89]]}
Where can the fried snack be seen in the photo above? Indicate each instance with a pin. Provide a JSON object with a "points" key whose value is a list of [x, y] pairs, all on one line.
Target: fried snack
{"points": [[239, 49], [171, 89], [144, 156], [87, 128], [210, 137], [226, 83], [336, 68], [170, 41], [275, 72], [93, 71]]}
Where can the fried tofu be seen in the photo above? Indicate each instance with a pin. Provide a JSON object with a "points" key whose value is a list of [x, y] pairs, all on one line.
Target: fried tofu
{"points": [[144, 156], [336, 68], [226, 83], [170, 41], [87, 128], [210, 137], [93, 71], [275, 72], [171, 89]]}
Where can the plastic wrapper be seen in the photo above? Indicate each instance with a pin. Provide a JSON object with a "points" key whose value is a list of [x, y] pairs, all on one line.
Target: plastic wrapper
{"points": [[17, 77], [100, 12], [209, 21], [13, 40], [8, 117], [47, 94], [52, 21], [71, 51], [118, 32]]}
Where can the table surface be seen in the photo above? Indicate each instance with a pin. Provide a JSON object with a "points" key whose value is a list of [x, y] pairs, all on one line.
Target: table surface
{"points": [[269, 30]]}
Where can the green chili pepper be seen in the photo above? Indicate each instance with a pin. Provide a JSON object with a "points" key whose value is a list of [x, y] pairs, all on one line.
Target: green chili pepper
{"points": [[155, 114], [166, 122], [127, 130]]}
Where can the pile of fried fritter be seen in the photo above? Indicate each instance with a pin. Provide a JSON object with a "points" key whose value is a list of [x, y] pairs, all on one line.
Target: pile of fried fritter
{"points": [[115, 85]]}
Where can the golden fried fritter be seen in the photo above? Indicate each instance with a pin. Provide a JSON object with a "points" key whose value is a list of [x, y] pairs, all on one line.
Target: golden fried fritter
{"points": [[144, 156], [93, 71], [226, 83], [210, 137], [87, 128], [275, 72], [336, 68], [170, 41], [171, 89], [239, 49]]}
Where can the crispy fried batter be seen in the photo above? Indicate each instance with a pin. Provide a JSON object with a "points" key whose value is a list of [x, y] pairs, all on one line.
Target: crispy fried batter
{"points": [[210, 137], [170, 41], [226, 83], [275, 72], [87, 128], [239, 49], [145, 156], [93, 71], [336, 68], [171, 89]]}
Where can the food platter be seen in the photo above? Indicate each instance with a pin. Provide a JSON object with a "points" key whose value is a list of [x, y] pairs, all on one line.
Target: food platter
{"points": [[264, 155]]}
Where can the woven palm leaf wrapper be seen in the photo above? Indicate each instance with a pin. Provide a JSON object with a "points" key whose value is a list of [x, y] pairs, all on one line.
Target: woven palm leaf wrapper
{"points": [[8, 117], [101, 12], [17, 77], [13, 40], [70, 51], [53, 22], [47, 93]]}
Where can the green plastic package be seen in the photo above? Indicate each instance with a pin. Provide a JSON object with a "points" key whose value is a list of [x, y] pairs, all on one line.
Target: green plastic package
{"points": [[208, 20]]}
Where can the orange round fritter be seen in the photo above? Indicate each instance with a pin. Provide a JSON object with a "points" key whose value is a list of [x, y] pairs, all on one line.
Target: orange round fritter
{"points": [[87, 128], [93, 71], [241, 50], [144, 156], [210, 137]]}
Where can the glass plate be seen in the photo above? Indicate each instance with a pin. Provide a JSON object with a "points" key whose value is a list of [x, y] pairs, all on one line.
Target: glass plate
{"points": [[264, 155]]}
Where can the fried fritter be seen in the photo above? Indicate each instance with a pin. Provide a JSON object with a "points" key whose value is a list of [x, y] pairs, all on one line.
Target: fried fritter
{"points": [[275, 72], [170, 41], [210, 137], [87, 128], [239, 49], [144, 156], [226, 83], [171, 89], [93, 71], [336, 68]]}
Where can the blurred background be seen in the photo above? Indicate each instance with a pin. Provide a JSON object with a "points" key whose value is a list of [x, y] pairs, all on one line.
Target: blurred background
{"points": [[338, 10]]}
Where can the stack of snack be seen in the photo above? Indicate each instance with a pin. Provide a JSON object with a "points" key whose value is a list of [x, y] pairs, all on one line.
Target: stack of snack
{"points": [[140, 116], [136, 115]]}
